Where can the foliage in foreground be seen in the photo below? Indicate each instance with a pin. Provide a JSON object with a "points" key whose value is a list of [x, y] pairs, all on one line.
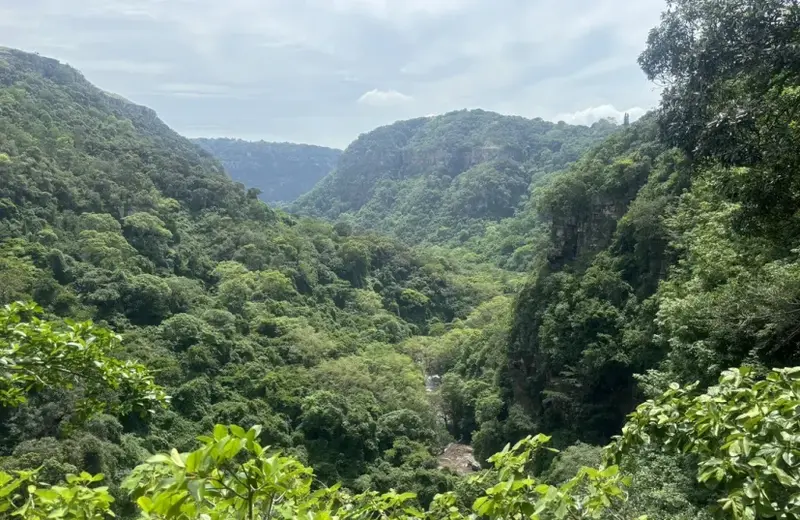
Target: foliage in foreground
{"points": [[232, 476], [744, 433], [36, 354]]}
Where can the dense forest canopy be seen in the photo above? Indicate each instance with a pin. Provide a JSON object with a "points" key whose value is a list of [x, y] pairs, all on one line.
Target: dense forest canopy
{"points": [[244, 314], [280, 171], [441, 179], [656, 256]]}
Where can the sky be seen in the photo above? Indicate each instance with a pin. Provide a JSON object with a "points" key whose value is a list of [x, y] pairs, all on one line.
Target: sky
{"points": [[324, 71]]}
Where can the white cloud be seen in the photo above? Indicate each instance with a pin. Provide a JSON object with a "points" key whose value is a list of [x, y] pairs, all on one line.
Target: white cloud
{"points": [[293, 68], [395, 8], [125, 66], [201, 90], [593, 114], [383, 98]]}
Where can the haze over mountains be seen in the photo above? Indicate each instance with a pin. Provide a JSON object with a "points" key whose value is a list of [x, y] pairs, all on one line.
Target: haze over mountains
{"points": [[281, 171], [591, 284]]}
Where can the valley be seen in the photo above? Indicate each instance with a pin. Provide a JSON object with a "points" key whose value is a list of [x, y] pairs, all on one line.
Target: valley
{"points": [[466, 315], [280, 171]]}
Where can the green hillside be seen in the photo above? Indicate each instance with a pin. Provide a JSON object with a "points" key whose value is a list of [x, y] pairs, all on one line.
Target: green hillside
{"points": [[280, 171], [663, 256], [654, 340], [245, 314], [441, 179]]}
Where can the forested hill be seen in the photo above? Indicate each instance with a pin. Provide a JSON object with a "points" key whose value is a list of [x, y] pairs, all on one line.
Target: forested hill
{"points": [[660, 315], [439, 178], [281, 171], [245, 314], [668, 253]]}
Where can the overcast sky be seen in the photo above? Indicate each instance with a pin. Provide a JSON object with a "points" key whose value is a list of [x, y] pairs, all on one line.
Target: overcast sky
{"points": [[323, 71]]}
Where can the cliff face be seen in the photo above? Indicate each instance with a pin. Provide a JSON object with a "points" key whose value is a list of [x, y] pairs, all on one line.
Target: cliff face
{"points": [[428, 179]]}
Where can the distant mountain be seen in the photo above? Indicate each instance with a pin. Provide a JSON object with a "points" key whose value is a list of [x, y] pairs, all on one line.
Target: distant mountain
{"points": [[437, 178], [282, 171]]}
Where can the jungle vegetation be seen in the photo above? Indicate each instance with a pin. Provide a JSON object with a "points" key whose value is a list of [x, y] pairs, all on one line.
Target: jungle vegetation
{"points": [[614, 319]]}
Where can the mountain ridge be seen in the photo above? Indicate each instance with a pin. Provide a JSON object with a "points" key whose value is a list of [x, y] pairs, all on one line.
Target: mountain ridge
{"points": [[282, 171], [428, 179]]}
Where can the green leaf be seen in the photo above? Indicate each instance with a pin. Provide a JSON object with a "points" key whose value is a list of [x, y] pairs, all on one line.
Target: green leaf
{"points": [[175, 457], [47, 494], [482, 505], [238, 431], [145, 503], [232, 448], [9, 488], [193, 461], [220, 432]]}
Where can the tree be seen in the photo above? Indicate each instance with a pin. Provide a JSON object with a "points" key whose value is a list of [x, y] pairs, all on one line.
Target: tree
{"points": [[147, 299], [37, 354], [732, 82], [338, 429], [232, 476], [148, 234], [703, 48], [79, 499], [355, 257], [744, 432]]}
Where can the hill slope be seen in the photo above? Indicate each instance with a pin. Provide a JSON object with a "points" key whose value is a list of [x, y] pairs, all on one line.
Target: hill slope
{"points": [[281, 171], [662, 256], [666, 254], [433, 179], [246, 314]]}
